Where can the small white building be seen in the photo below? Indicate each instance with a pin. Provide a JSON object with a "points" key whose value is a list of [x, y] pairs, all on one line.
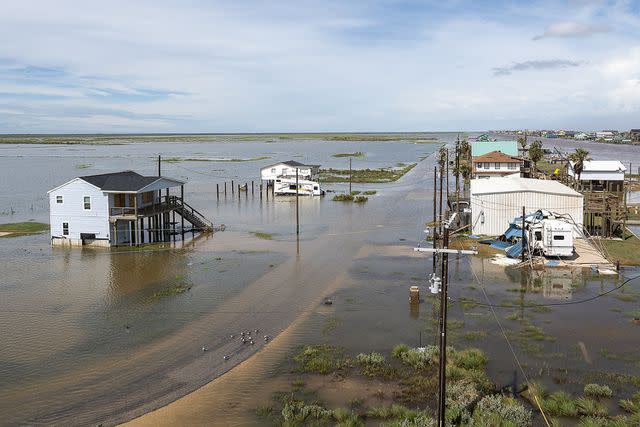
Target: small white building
{"points": [[496, 201], [599, 170], [288, 170], [287, 186], [552, 237], [117, 208]]}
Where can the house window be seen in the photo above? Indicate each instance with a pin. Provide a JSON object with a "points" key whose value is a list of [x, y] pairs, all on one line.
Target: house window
{"points": [[497, 165], [511, 166], [284, 171], [59, 199], [147, 197], [87, 203], [487, 165], [479, 165], [558, 237], [273, 170], [65, 228]]}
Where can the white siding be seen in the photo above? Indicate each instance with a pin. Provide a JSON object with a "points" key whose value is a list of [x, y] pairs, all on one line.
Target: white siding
{"points": [[71, 211], [282, 169], [492, 213]]}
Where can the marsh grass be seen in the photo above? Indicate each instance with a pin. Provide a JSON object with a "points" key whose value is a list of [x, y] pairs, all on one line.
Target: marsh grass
{"points": [[320, 359], [356, 154], [597, 390], [365, 175], [369, 192], [360, 199], [170, 291], [343, 198], [262, 235], [15, 229]]}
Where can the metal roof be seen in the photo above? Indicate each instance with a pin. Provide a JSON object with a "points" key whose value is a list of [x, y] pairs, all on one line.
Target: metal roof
{"points": [[602, 166], [512, 184], [291, 163], [123, 181], [478, 148]]}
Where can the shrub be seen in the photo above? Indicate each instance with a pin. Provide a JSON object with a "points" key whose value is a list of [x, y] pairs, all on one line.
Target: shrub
{"points": [[471, 358], [399, 350], [360, 199], [588, 406], [497, 407], [393, 411], [372, 364], [369, 192], [628, 406], [342, 198], [593, 422], [597, 390], [320, 359], [355, 193], [420, 358], [560, 404]]}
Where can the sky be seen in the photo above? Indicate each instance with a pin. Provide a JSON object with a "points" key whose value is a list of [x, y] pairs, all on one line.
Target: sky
{"points": [[318, 66]]}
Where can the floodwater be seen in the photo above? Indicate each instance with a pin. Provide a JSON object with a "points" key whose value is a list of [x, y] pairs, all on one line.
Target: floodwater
{"points": [[90, 336]]}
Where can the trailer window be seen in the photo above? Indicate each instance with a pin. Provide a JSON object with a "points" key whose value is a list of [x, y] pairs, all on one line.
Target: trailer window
{"points": [[292, 186], [538, 235], [65, 228], [558, 237], [58, 199]]}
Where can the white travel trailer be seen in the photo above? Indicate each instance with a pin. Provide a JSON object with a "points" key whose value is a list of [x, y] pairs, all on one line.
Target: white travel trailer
{"points": [[305, 187], [552, 237]]}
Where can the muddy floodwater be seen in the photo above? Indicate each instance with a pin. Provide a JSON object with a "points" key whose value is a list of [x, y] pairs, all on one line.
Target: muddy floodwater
{"points": [[105, 336]]}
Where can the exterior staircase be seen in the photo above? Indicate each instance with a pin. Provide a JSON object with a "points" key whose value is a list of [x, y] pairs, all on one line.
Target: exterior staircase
{"points": [[190, 214]]}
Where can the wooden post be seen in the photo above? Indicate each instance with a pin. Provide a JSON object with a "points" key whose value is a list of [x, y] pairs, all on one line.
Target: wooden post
{"points": [[440, 203], [181, 215], [523, 258], [217, 191], [252, 188], [260, 191], [238, 191], [297, 204], [225, 189], [232, 188], [350, 175], [246, 189], [159, 165]]}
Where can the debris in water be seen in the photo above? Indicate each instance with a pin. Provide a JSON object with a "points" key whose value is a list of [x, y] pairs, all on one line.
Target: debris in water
{"points": [[328, 301], [266, 337], [500, 259]]}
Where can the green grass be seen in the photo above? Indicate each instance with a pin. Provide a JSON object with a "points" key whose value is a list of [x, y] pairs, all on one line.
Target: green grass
{"points": [[168, 292], [474, 335], [262, 235], [26, 228], [627, 250], [84, 166], [369, 192], [365, 175], [597, 390], [343, 198], [356, 154], [319, 359], [360, 199]]}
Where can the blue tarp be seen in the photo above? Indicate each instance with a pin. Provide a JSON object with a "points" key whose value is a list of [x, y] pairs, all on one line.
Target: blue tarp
{"points": [[498, 244], [514, 251], [513, 231]]}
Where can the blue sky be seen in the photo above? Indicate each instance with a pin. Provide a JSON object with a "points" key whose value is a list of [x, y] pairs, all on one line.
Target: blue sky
{"points": [[263, 66]]}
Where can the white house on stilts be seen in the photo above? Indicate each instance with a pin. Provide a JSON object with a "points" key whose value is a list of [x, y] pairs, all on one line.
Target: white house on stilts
{"points": [[123, 208]]}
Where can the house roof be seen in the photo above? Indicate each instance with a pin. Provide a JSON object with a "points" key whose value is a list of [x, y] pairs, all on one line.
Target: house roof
{"points": [[125, 181], [513, 184], [496, 156], [291, 163], [601, 166], [479, 148]]}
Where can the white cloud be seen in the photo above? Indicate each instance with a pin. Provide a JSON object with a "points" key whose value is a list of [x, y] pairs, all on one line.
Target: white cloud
{"points": [[572, 29]]}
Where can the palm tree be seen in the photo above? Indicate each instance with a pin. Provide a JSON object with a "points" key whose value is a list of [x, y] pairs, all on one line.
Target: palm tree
{"points": [[578, 158], [536, 153]]}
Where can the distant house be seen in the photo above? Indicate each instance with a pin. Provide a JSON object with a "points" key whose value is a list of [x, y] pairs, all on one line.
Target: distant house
{"points": [[634, 135], [605, 135], [494, 164], [581, 136], [117, 209], [288, 170], [600, 175], [479, 148]]}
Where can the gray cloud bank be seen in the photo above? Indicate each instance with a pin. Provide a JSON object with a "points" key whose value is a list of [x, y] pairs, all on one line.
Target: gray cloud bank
{"points": [[571, 29], [548, 64]]}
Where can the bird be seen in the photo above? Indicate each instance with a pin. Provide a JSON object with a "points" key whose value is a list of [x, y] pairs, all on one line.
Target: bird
{"points": [[231, 336], [204, 348], [226, 357], [243, 340], [252, 343], [257, 330]]}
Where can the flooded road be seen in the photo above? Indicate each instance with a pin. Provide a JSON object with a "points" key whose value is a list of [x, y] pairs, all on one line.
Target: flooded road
{"points": [[96, 336]]}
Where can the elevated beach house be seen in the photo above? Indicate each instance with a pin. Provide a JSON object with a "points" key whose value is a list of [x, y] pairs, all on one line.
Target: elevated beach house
{"points": [[122, 208], [495, 164], [288, 170]]}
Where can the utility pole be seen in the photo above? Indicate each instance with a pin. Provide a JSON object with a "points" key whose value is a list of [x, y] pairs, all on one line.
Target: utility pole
{"points": [[350, 176], [443, 290], [440, 204], [458, 180], [435, 233], [297, 206]]}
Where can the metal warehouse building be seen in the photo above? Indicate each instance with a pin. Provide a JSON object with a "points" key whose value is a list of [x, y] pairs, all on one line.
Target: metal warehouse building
{"points": [[496, 201]]}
